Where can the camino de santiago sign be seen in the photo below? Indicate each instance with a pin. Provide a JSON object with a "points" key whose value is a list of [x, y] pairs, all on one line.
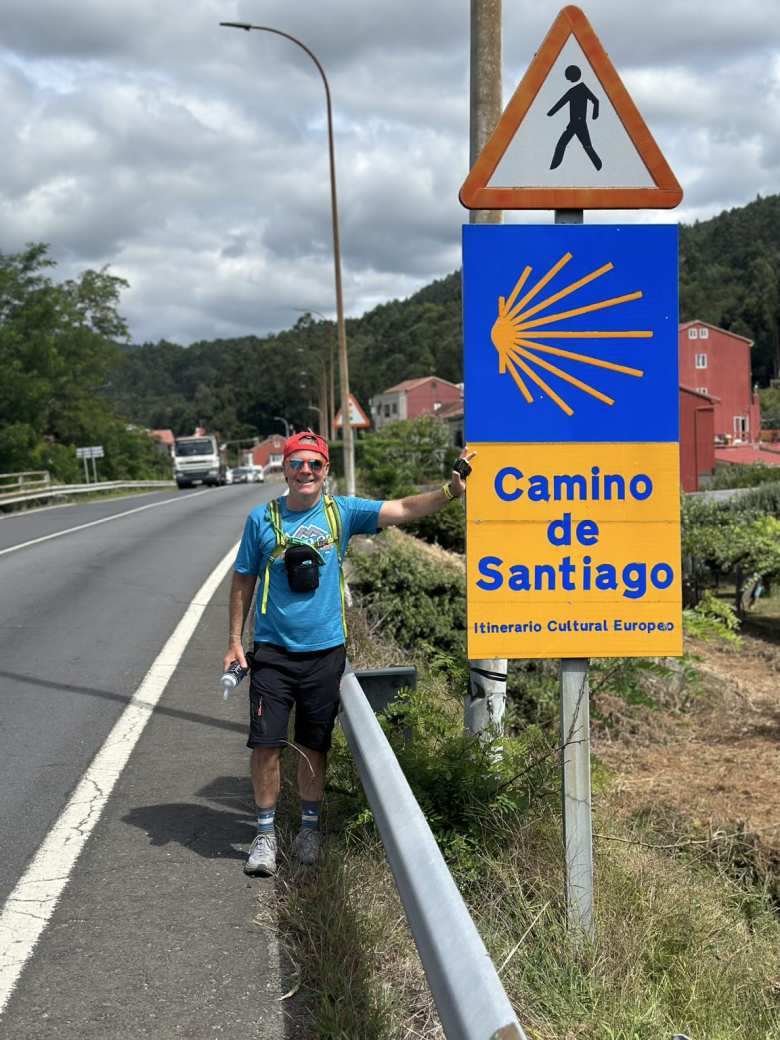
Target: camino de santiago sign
{"points": [[571, 401]]}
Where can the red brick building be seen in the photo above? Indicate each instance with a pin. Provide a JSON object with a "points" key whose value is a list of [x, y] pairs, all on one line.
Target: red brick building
{"points": [[267, 453], [165, 439], [413, 398], [697, 438], [716, 363]]}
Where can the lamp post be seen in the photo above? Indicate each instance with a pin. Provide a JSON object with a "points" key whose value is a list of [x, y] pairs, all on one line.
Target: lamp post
{"points": [[281, 419], [349, 445]]}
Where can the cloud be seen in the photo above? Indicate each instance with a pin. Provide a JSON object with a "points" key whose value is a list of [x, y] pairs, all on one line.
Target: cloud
{"points": [[194, 159]]}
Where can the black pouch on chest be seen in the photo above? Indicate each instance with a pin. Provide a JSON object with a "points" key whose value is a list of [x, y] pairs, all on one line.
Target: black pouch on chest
{"points": [[303, 568]]}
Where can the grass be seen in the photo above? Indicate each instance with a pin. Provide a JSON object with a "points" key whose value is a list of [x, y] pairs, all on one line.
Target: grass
{"points": [[763, 619], [679, 947]]}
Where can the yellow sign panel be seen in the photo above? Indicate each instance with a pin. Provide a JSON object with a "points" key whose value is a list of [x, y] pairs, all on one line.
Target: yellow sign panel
{"points": [[574, 551]]}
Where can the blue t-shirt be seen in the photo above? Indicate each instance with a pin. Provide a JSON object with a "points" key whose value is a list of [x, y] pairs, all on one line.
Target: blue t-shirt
{"points": [[302, 621]]}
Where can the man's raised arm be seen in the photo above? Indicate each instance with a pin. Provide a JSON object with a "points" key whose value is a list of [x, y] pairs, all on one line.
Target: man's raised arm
{"points": [[414, 507]]}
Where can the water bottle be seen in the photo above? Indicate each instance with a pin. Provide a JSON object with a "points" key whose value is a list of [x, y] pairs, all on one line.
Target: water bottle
{"points": [[231, 678]]}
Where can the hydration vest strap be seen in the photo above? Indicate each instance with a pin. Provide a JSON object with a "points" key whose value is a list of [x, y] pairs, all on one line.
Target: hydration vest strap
{"points": [[334, 523], [273, 513], [333, 516]]}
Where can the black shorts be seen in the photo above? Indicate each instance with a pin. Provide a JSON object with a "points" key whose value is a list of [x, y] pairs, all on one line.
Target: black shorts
{"points": [[281, 679]]}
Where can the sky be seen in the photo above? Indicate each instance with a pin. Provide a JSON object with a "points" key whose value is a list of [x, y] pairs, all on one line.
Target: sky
{"points": [[192, 160]]}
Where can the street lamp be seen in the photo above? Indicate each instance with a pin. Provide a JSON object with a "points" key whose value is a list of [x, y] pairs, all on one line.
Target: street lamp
{"points": [[281, 419], [349, 445]]}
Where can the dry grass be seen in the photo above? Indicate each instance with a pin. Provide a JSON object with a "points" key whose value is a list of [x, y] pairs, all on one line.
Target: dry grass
{"points": [[345, 924], [674, 952]]}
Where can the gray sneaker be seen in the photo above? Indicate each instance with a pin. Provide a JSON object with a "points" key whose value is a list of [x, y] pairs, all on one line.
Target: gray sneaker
{"points": [[307, 846], [261, 861]]}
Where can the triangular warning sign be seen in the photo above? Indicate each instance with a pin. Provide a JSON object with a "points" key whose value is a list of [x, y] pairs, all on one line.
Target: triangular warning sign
{"points": [[571, 137], [357, 416]]}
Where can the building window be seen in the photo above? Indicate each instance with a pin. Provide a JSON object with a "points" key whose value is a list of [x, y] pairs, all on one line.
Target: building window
{"points": [[395, 408], [693, 333], [701, 360], [740, 425], [387, 411], [702, 390], [704, 333]]}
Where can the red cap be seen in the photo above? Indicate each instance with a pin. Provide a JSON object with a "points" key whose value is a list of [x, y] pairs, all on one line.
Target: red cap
{"points": [[306, 441]]}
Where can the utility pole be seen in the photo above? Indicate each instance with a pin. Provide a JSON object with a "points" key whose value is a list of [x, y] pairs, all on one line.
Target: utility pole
{"points": [[483, 710], [485, 110]]}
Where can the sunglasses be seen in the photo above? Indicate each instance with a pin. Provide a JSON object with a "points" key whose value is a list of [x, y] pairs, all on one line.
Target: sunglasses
{"points": [[314, 464]]}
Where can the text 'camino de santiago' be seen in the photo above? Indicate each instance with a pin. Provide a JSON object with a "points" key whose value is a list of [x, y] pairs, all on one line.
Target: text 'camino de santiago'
{"points": [[588, 574]]}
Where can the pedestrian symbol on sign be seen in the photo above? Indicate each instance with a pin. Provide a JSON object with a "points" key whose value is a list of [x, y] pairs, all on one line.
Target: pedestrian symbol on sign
{"points": [[577, 99]]}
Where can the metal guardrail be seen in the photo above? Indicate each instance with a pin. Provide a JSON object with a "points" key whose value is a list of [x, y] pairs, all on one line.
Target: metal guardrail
{"points": [[469, 996], [31, 478], [61, 490]]}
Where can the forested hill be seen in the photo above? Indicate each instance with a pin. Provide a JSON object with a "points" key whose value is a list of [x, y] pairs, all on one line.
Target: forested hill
{"points": [[729, 270], [730, 276]]}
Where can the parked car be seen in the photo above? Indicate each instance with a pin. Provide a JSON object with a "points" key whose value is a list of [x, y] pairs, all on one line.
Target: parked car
{"points": [[248, 475]]}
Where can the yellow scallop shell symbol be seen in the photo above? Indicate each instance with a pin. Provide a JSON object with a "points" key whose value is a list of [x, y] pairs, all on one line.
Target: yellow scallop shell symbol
{"points": [[520, 326]]}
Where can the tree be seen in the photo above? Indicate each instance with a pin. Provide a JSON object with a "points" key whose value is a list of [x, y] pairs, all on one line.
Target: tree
{"points": [[58, 351], [403, 455], [736, 537]]}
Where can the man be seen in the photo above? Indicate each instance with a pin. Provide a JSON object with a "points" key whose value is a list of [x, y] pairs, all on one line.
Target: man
{"points": [[296, 545]]}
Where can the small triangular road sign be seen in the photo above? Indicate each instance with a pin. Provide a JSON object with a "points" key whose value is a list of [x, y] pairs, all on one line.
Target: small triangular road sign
{"points": [[357, 417], [571, 137]]}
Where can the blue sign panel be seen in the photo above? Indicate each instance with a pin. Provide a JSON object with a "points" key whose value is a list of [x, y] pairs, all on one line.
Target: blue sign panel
{"points": [[570, 333]]}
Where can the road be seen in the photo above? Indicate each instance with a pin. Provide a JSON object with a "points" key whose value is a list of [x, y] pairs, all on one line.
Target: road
{"points": [[150, 923]]}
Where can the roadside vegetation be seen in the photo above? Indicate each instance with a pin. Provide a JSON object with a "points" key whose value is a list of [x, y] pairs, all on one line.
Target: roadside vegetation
{"points": [[685, 942], [730, 475], [58, 356], [687, 929], [736, 541]]}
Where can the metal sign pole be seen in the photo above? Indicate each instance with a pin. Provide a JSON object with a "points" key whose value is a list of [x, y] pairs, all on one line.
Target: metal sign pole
{"points": [[94, 469], [86, 470], [575, 795], [575, 765]]}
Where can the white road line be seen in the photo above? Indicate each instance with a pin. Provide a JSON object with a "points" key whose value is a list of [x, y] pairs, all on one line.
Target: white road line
{"points": [[94, 523], [29, 907]]}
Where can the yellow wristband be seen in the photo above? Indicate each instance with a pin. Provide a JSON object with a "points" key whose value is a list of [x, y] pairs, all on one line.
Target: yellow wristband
{"points": [[447, 492]]}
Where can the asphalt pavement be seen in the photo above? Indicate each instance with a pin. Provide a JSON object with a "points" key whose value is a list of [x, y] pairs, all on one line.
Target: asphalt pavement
{"points": [[158, 932]]}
